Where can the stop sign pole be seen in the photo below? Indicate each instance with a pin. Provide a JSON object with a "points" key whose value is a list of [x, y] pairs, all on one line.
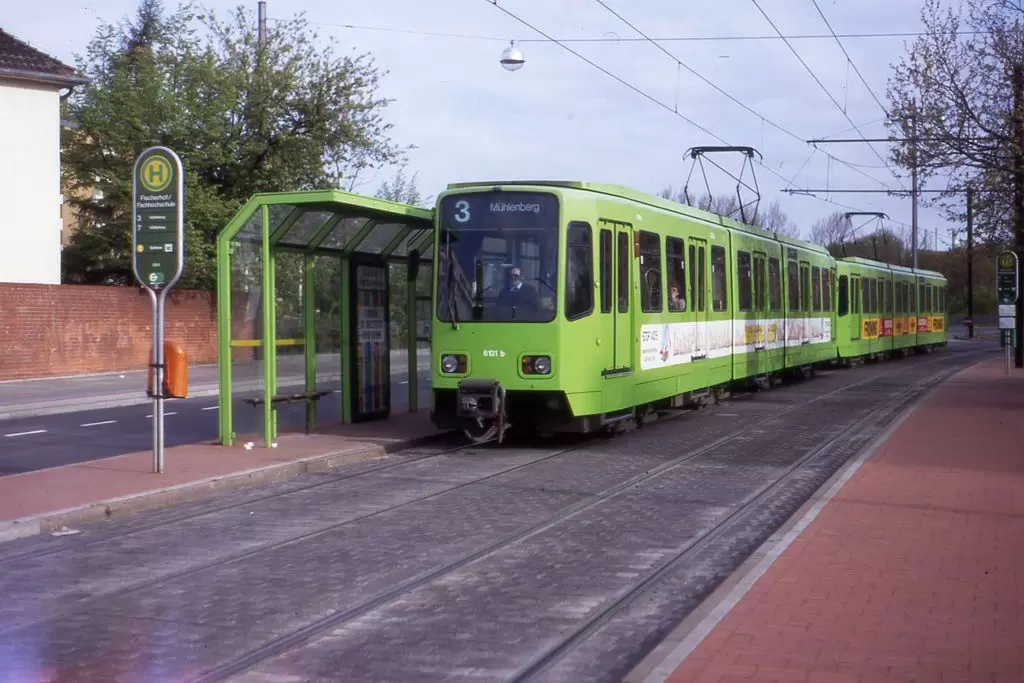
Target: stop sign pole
{"points": [[158, 256]]}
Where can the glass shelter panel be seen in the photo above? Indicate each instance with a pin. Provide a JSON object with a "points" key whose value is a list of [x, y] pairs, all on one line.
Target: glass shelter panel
{"points": [[303, 230], [247, 373], [341, 234], [380, 236]]}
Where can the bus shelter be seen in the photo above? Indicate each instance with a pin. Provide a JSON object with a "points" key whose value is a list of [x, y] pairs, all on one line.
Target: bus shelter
{"points": [[319, 295]]}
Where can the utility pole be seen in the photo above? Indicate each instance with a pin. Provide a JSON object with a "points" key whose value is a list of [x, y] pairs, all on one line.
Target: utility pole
{"points": [[262, 23], [970, 261], [913, 178], [1018, 200]]}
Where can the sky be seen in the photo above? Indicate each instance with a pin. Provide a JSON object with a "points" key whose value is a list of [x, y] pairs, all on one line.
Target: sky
{"points": [[559, 117]]}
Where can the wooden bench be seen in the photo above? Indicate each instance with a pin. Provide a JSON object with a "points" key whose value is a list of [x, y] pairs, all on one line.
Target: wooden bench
{"points": [[307, 397]]}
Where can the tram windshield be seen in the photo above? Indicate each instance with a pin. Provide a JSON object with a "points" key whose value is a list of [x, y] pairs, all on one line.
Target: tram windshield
{"points": [[497, 257]]}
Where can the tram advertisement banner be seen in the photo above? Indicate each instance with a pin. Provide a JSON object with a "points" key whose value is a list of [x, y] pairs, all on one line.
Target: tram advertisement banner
{"points": [[371, 353]]}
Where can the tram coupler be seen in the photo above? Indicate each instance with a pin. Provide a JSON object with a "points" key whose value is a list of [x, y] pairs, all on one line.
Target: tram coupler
{"points": [[482, 400]]}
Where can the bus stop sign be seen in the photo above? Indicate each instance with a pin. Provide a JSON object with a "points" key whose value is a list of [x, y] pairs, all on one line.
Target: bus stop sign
{"points": [[1006, 279], [157, 229]]}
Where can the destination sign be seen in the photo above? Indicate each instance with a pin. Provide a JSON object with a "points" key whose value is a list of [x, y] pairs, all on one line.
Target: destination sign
{"points": [[158, 218]]}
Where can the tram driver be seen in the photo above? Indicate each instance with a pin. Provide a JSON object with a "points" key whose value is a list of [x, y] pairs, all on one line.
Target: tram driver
{"points": [[520, 300]]}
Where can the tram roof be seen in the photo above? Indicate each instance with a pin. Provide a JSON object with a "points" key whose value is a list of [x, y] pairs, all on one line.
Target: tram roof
{"points": [[630, 194]]}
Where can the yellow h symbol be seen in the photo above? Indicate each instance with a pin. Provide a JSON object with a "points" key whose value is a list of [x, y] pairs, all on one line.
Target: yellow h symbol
{"points": [[156, 173]]}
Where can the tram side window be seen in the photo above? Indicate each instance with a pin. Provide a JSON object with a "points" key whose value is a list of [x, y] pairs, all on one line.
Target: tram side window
{"points": [[743, 281], [774, 285], [826, 289], [719, 281], [622, 260], [865, 296], [579, 272], [606, 271], [794, 285], [899, 299], [844, 296], [816, 288], [942, 301], [676, 273], [935, 300], [650, 272], [888, 297], [874, 295], [922, 297]]}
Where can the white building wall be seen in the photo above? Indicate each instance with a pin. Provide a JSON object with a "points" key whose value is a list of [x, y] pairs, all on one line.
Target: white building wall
{"points": [[30, 221]]}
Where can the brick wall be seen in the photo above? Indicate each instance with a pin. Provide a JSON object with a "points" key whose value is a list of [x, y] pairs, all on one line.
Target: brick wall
{"points": [[48, 330]]}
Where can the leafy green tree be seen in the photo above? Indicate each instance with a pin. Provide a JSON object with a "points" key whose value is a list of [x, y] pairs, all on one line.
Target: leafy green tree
{"points": [[401, 188], [951, 106], [245, 117]]}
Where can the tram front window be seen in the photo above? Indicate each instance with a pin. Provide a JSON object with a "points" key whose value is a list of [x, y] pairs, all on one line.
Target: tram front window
{"points": [[497, 257]]}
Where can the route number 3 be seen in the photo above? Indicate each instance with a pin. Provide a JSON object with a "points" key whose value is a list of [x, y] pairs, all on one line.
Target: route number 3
{"points": [[462, 206]]}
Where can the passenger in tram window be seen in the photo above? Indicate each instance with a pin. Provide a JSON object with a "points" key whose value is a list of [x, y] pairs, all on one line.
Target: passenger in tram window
{"points": [[676, 302]]}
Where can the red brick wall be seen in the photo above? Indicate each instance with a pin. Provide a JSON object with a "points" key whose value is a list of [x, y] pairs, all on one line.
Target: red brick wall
{"points": [[48, 330]]}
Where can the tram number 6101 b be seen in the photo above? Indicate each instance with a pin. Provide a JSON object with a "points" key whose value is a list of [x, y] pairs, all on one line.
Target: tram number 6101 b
{"points": [[493, 353]]}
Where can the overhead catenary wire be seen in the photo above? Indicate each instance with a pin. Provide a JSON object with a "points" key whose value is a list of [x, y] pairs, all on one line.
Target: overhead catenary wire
{"points": [[823, 88], [849, 60], [701, 76], [664, 39], [651, 98]]}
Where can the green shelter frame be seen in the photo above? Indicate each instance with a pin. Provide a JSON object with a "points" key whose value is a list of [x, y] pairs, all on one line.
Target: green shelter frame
{"points": [[331, 223]]}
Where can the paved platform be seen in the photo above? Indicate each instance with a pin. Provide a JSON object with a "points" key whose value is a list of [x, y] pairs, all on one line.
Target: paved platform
{"points": [[908, 567], [47, 500]]}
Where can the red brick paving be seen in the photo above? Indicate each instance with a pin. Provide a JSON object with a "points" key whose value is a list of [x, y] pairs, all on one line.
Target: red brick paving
{"points": [[914, 571]]}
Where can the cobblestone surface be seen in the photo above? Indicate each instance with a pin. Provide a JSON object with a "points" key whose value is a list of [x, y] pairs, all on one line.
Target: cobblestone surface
{"points": [[224, 577]]}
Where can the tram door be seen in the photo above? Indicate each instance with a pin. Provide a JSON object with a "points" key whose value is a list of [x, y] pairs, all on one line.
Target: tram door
{"points": [[617, 255], [616, 262], [697, 266]]}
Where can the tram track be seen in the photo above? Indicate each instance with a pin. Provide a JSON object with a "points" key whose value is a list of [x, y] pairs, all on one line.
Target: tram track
{"points": [[251, 498], [316, 628], [551, 654], [359, 606]]}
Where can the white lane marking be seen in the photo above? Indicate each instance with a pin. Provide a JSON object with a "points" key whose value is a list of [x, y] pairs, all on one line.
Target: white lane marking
{"points": [[35, 431], [97, 424], [405, 381], [212, 408], [165, 414]]}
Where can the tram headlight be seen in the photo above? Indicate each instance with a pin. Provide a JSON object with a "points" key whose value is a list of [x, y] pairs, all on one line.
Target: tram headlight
{"points": [[452, 363], [536, 365]]}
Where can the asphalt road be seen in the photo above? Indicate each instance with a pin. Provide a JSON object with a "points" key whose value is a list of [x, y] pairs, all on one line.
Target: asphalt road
{"points": [[35, 443]]}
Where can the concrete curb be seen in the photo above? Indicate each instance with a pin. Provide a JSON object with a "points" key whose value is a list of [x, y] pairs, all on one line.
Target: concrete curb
{"points": [[47, 522]]}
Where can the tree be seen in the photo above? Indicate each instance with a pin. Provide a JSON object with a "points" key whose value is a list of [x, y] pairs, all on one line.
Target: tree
{"points": [[402, 189], [774, 218], [955, 81], [244, 117]]}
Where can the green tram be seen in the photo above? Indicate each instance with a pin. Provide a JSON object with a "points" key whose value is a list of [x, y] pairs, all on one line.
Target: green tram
{"points": [[886, 310], [572, 306]]}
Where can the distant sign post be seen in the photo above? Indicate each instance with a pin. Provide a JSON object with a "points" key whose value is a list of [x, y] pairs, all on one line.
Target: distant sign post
{"points": [[158, 255], [1007, 293]]}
